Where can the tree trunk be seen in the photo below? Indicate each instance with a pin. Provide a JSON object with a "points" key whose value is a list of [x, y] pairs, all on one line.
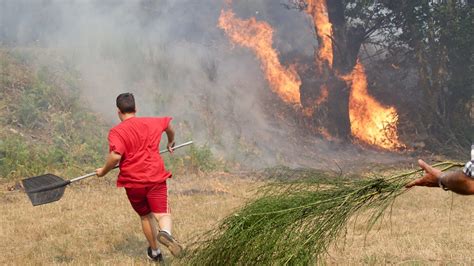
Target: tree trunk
{"points": [[346, 43]]}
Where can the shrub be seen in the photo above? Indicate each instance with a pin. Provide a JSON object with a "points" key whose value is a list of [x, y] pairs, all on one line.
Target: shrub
{"points": [[196, 159], [52, 131]]}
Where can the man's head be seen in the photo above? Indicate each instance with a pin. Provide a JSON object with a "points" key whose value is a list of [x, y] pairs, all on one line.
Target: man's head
{"points": [[126, 105]]}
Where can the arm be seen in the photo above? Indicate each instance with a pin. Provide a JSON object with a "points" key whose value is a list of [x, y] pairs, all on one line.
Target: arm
{"points": [[112, 160], [170, 134], [456, 181]]}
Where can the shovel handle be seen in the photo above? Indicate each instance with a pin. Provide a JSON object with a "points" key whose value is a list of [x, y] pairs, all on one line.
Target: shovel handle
{"points": [[177, 147], [162, 151]]}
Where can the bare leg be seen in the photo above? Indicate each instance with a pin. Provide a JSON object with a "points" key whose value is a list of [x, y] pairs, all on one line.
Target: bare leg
{"points": [[164, 221], [149, 231]]}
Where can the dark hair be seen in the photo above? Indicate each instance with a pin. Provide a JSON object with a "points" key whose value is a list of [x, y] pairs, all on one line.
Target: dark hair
{"points": [[126, 103]]}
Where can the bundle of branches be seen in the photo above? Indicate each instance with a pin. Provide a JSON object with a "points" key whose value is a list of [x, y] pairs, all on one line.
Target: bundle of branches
{"points": [[295, 222]]}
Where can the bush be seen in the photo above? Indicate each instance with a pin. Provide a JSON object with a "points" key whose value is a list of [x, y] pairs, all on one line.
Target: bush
{"points": [[196, 159], [20, 159], [33, 103], [51, 131]]}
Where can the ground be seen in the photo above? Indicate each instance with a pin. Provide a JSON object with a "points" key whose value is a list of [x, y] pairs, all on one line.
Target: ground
{"points": [[94, 224]]}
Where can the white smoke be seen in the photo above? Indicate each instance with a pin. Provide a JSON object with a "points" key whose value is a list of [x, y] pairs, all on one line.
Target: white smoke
{"points": [[176, 61]]}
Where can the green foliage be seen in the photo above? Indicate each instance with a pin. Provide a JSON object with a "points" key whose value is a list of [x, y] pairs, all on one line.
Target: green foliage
{"points": [[19, 158], [196, 159], [202, 158], [33, 103], [437, 37], [14, 157], [294, 223], [49, 130]]}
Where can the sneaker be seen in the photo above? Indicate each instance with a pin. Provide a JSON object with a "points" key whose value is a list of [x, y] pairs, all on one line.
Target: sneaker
{"points": [[157, 258], [171, 243]]}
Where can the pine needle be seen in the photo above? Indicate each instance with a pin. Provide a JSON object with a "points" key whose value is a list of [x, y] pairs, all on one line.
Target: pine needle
{"points": [[295, 222]]}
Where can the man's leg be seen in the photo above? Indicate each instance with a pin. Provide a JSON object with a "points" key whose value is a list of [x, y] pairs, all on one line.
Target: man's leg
{"points": [[137, 198], [164, 236], [164, 221], [149, 231], [158, 202]]}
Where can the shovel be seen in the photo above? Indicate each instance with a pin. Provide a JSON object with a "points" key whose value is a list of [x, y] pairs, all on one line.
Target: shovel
{"points": [[49, 188]]}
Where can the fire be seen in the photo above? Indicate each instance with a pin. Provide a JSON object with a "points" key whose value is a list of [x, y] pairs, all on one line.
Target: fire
{"points": [[258, 36], [318, 10], [370, 121]]}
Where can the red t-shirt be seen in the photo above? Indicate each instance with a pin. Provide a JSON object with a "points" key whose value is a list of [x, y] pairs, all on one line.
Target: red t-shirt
{"points": [[137, 139]]}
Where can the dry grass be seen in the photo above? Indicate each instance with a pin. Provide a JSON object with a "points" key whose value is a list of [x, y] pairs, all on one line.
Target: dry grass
{"points": [[94, 224], [426, 226]]}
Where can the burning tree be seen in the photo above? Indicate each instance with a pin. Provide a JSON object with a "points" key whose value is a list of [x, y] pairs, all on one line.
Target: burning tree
{"points": [[333, 90], [337, 99], [436, 34], [340, 98]]}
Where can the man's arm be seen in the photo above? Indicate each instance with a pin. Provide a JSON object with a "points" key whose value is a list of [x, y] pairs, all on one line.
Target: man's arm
{"points": [[458, 182], [112, 160], [455, 181], [170, 134]]}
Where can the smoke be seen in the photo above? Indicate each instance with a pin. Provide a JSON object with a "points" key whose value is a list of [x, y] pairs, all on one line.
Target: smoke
{"points": [[176, 61]]}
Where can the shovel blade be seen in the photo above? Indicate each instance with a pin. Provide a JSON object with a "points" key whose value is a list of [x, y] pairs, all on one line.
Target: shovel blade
{"points": [[44, 197], [44, 189]]}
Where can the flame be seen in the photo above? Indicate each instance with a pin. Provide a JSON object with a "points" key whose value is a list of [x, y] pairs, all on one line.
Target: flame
{"points": [[370, 121], [258, 36], [318, 10]]}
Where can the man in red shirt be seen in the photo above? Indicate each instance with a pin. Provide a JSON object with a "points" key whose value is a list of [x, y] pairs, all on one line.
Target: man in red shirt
{"points": [[134, 145]]}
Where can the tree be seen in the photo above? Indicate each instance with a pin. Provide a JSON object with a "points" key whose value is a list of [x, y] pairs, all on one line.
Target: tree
{"points": [[436, 36], [439, 36], [351, 24]]}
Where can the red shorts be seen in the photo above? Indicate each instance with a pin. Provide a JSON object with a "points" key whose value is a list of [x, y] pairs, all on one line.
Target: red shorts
{"points": [[153, 198]]}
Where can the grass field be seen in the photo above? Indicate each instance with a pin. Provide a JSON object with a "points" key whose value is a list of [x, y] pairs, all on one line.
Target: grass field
{"points": [[94, 224]]}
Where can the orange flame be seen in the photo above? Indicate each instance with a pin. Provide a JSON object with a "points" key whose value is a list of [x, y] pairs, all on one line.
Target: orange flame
{"points": [[370, 121], [318, 10], [258, 36]]}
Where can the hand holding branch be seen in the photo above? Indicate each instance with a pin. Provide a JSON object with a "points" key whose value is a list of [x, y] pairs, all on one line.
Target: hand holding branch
{"points": [[456, 181], [429, 179], [170, 147]]}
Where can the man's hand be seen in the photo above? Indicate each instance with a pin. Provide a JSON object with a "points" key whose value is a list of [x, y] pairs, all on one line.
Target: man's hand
{"points": [[430, 179], [112, 160], [170, 147], [170, 134], [100, 172]]}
